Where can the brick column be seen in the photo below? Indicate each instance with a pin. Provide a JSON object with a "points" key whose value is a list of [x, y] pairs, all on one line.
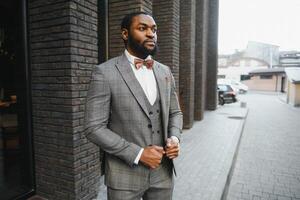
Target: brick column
{"points": [[63, 41], [201, 57], [187, 60], [117, 10], [166, 16], [212, 55]]}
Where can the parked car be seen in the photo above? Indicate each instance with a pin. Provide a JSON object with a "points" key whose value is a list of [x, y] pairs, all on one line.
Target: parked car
{"points": [[228, 82], [237, 86], [226, 94], [242, 88]]}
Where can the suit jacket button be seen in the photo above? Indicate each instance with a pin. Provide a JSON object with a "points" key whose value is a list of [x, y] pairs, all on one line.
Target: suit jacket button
{"points": [[149, 126], [157, 111], [157, 131], [150, 113]]}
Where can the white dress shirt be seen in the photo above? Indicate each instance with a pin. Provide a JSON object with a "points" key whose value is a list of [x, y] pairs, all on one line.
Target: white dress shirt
{"points": [[147, 81], [145, 77]]}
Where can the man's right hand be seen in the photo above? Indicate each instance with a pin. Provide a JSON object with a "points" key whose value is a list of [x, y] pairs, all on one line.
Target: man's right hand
{"points": [[152, 156]]}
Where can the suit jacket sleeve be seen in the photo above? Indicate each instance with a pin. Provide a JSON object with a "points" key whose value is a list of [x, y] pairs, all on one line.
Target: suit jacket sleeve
{"points": [[175, 114], [97, 117]]}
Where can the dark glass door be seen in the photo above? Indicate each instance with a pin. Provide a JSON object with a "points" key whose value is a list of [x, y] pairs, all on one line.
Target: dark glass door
{"points": [[16, 163]]}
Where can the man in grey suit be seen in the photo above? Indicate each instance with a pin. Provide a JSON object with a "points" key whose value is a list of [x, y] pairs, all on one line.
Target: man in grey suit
{"points": [[133, 114]]}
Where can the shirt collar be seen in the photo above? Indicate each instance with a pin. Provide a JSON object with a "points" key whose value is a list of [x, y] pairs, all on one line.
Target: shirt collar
{"points": [[131, 57]]}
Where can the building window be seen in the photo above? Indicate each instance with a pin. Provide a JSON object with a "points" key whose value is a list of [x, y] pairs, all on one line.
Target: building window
{"points": [[245, 77], [266, 76], [220, 76]]}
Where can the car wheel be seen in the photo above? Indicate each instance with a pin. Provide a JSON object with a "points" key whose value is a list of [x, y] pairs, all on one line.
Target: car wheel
{"points": [[234, 99], [221, 101]]}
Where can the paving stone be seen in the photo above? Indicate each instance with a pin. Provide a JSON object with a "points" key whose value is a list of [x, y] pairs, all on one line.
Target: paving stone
{"points": [[268, 159]]}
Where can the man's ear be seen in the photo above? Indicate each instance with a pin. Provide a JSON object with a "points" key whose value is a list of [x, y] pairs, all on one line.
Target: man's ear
{"points": [[124, 34]]}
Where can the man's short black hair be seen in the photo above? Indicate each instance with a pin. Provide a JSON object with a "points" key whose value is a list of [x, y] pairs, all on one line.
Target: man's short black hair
{"points": [[127, 20]]}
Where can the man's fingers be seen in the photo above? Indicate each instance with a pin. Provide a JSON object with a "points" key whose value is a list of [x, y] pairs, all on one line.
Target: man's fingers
{"points": [[172, 157], [159, 149], [173, 149], [169, 142], [155, 153], [172, 146], [172, 153]]}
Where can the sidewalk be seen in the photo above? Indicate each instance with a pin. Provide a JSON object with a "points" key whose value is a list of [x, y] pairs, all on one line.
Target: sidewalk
{"points": [[268, 165], [207, 153], [208, 150]]}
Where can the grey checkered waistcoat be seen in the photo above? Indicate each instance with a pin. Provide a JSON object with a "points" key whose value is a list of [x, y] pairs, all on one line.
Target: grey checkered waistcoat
{"points": [[118, 119], [155, 125]]}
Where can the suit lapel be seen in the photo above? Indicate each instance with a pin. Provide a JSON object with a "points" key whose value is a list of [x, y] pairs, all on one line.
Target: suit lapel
{"points": [[161, 82], [126, 72]]}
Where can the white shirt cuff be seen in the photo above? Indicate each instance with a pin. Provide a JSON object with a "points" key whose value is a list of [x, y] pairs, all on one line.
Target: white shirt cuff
{"points": [[175, 139], [137, 159]]}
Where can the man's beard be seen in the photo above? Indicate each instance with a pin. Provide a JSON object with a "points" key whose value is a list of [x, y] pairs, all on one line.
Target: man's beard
{"points": [[140, 48]]}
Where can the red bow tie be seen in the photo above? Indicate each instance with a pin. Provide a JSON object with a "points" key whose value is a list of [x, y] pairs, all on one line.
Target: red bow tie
{"points": [[138, 63]]}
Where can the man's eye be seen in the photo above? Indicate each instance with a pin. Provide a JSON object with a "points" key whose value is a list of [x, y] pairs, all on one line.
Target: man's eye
{"points": [[154, 30], [141, 28]]}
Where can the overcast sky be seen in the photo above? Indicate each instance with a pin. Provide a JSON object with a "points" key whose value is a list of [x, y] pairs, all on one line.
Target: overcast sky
{"points": [[270, 21]]}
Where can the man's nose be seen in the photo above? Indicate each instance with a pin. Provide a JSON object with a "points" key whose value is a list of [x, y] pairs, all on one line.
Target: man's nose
{"points": [[150, 33]]}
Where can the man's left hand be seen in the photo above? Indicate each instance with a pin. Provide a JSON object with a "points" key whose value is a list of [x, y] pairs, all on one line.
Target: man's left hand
{"points": [[172, 148]]}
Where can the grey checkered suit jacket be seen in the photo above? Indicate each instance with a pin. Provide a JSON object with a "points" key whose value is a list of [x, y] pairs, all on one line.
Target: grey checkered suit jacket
{"points": [[117, 119]]}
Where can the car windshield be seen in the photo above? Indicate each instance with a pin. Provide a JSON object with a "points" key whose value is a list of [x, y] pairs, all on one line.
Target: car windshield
{"points": [[223, 87]]}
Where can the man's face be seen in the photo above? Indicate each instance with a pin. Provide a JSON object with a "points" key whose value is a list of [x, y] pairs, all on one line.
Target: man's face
{"points": [[142, 38]]}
